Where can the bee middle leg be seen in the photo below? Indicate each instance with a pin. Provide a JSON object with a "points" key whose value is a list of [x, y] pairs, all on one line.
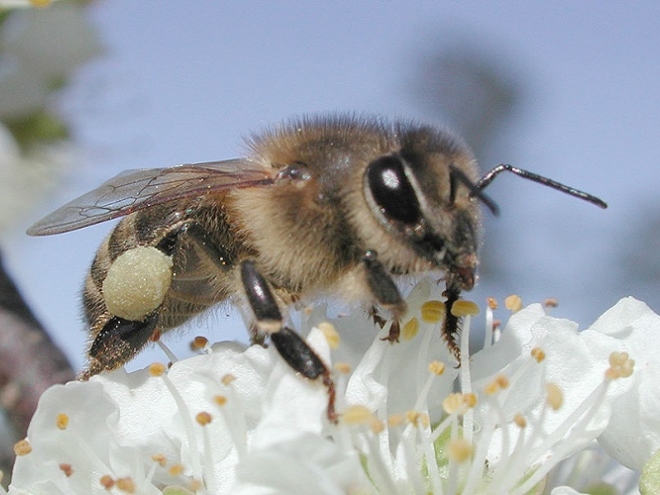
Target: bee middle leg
{"points": [[295, 351], [386, 294]]}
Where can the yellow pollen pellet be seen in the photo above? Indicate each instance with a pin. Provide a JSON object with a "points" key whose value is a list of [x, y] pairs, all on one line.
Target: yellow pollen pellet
{"points": [[62, 421], [204, 418], [459, 450], [433, 311], [464, 308], [227, 379], [520, 420], [513, 303], [356, 415], [376, 425], [40, 3], [342, 367], [437, 368], [220, 400], [175, 469], [126, 485], [107, 482], [492, 302], [555, 397], [22, 447], [157, 369], [395, 420], [199, 342], [410, 329], [160, 459], [330, 333], [470, 400], [137, 282], [538, 354], [66, 469]]}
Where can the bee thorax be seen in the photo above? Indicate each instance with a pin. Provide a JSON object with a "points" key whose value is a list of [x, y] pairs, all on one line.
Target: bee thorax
{"points": [[137, 282]]}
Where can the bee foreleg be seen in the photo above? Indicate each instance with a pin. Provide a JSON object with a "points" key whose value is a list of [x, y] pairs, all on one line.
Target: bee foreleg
{"points": [[451, 325], [295, 351], [384, 291]]}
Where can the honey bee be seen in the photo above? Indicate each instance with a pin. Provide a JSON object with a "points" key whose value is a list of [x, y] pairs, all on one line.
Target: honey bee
{"points": [[321, 205]]}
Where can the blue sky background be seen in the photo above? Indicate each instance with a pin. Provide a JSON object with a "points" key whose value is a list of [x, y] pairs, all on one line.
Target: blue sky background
{"points": [[183, 81]]}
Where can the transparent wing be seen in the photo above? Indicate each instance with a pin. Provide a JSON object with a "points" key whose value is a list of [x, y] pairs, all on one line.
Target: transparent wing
{"points": [[134, 190]]}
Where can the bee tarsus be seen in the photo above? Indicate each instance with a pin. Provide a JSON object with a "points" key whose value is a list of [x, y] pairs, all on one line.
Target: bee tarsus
{"points": [[291, 346]]}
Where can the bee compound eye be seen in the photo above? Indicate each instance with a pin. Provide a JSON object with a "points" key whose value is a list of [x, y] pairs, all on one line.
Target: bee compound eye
{"points": [[392, 191]]}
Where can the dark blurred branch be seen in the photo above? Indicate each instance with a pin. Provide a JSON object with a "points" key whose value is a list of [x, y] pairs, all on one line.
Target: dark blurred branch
{"points": [[29, 362]]}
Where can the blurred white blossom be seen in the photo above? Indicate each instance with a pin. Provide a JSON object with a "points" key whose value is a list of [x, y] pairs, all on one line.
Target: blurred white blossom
{"points": [[40, 49]]}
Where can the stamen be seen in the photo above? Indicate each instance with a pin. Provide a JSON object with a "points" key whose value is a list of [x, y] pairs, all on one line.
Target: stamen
{"points": [[227, 379], [538, 354], [199, 343], [410, 329], [126, 484], [459, 450], [66, 469], [520, 420], [107, 482], [170, 355], [513, 303], [203, 418], [437, 367], [343, 368], [621, 366], [554, 397], [433, 311], [550, 302], [176, 469], [395, 420], [22, 447], [463, 308], [376, 425], [357, 414], [62, 421], [330, 333], [160, 459], [157, 369]]}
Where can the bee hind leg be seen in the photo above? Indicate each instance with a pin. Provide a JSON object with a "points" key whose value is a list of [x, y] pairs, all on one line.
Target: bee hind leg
{"points": [[117, 342], [295, 351]]}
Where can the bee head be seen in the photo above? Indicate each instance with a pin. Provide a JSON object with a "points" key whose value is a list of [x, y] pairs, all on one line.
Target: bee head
{"points": [[421, 194]]}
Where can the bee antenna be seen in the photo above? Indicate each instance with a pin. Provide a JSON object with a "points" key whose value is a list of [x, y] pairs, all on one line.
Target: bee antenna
{"points": [[457, 176], [488, 178]]}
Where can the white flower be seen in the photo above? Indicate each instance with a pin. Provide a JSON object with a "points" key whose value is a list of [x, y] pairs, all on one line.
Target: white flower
{"points": [[239, 421], [24, 177], [633, 433], [40, 49], [24, 4]]}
